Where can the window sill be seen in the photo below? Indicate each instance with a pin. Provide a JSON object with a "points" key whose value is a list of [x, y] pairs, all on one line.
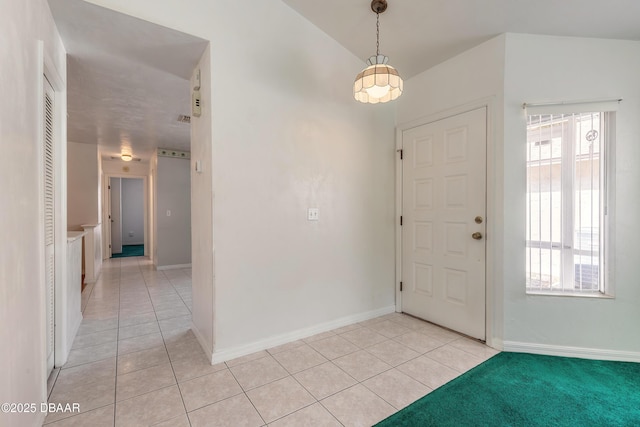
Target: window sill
{"points": [[570, 294]]}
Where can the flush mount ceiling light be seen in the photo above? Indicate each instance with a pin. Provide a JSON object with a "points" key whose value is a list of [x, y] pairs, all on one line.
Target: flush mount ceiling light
{"points": [[378, 82], [126, 157]]}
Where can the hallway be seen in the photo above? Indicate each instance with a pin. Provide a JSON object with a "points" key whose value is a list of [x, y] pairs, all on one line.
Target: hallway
{"points": [[136, 362]]}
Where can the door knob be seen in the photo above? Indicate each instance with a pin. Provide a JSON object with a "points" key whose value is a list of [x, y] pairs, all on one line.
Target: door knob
{"points": [[477, 235]]}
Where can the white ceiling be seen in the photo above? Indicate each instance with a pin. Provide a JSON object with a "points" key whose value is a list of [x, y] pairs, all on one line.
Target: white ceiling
{"points": [[418, 34], [128, 78]]}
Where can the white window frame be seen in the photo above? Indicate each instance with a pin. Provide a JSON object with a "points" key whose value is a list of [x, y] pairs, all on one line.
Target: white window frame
{"points": [[607, 169]]}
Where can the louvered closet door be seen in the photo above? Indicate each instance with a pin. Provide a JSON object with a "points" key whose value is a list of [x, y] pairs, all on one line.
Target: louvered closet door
{"points": [[49, 222]]}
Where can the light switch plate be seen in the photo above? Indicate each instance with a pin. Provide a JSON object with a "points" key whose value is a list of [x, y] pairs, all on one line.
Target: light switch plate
{"points": [[313, 214]]}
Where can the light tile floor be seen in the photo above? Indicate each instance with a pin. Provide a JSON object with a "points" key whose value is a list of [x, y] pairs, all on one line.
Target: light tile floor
{"points": [[135, 362]]}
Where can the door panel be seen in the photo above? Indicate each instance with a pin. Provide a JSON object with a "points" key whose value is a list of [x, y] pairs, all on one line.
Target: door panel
{"points": [[444, 190]]}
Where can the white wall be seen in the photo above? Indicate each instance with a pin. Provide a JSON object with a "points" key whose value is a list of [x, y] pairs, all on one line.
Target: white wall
{"points": [[545, 69], [472, 78], [173, 212], [132, 211], [153, 214], [202, 260], [22, 310], [125, 169], [83, 185], [287, 135]]}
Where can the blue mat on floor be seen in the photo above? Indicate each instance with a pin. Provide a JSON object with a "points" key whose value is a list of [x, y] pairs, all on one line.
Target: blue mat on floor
{"points": [[130, 250]]}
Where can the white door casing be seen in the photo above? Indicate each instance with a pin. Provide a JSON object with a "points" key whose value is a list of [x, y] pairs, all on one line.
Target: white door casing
{"points": [[444, 190], [49, 221], [116, 215]]}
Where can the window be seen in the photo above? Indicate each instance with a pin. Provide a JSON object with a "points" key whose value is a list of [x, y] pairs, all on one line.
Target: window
{"points": [[566, 201]]}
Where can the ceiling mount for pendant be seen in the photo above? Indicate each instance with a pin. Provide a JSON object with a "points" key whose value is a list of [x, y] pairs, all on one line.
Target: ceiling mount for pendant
{"points": [[378, 82], [379, 6]]}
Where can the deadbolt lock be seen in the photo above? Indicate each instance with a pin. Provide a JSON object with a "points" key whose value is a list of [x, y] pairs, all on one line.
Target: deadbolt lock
{"points": [[478, 219]]}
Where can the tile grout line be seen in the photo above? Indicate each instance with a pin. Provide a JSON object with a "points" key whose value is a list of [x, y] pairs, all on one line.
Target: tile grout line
{"points": [[176, 291], [167, 351], [146, 286], [81, 364], [164, 343], [245, 393], [115, 389]]}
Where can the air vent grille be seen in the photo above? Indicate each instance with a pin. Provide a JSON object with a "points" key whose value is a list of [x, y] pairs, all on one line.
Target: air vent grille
{"points": [[165, 152]]}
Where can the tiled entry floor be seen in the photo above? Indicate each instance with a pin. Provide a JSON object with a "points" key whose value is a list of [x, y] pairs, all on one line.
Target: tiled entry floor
{"points": [[135, 362]]}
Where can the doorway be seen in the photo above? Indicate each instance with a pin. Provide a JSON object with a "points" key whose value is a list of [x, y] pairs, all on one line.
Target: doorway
{"points": [[127, 217], [444, 222]]}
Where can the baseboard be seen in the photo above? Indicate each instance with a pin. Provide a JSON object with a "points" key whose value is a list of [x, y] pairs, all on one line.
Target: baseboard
{"points": [[495, 343], [172, 267], [232, 353], [566, 351], [208, 351]]}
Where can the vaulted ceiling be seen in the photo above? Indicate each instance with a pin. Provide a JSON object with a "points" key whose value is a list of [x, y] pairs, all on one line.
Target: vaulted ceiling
{"points": [[418, 34], [128, 78]]}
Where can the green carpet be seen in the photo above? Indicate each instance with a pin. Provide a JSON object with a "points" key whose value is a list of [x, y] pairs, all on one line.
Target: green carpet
{"points": [[518, 389], [130, 250]]}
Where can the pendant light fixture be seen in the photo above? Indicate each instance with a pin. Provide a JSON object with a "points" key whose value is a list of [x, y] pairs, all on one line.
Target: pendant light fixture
{"points": [[378, 82]]}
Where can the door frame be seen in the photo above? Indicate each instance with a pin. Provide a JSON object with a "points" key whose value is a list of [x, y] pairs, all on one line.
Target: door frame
{"points": [[62, 341], [106, 203], [493, 332], [110, 215]]}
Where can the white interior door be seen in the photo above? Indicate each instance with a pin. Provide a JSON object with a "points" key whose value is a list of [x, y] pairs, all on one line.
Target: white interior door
{"points": [[444, 205], [116, 216], [49, 222]]}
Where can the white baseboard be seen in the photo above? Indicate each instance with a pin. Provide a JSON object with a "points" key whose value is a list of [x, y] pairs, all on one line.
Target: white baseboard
{"points": [[172, 267], [203, 343], [566, 351], [495, 343], [243, 350]]}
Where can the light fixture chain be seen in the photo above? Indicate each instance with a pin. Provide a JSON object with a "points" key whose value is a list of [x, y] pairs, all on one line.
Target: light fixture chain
{"points": [[377, 34]]}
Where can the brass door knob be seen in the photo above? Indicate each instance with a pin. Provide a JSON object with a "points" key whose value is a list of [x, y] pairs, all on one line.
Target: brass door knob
{"points": [[477, 235]]}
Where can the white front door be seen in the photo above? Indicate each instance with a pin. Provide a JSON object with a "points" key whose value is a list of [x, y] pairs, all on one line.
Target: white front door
{"points": [[444, 205], [49, 221]]}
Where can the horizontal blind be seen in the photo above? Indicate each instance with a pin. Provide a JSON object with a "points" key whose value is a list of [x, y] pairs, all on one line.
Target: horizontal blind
{"points": [[571, 107]]}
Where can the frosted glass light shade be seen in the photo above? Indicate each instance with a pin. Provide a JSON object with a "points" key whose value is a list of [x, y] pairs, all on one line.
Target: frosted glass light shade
{"points": [[377, 83], [378, 91], [126, 157]]}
